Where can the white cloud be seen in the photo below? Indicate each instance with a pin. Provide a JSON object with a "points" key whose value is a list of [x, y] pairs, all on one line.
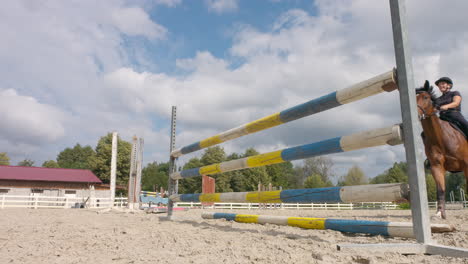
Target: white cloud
{"points": [[135, 21], [54, 55], [169, 3], [222, 6], [203, 62], [25, 120]]}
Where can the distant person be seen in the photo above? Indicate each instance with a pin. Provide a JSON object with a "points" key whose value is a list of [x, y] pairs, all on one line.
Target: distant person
{"points": [[449, 104]]}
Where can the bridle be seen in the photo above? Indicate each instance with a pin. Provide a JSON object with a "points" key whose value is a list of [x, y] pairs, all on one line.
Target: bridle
{"points": [[424, 114]]}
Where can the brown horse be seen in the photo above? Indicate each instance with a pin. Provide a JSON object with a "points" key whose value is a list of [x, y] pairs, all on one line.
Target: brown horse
{"points": [[446, 148]]}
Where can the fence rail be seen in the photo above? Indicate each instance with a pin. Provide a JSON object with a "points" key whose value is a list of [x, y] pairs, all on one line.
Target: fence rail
{"points": [[35, 202]]}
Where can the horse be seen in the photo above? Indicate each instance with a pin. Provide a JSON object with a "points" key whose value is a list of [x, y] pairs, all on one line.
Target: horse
{"points": [[446, 148]]}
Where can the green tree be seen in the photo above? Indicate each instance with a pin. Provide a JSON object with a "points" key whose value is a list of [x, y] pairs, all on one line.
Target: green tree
{"points": [[299, 178], [281, 174], [355, 176], [396, 174], [50, 164], [77, 157], [237, 179], [191, 185], [26, 163], [315, 181], [379, 179], [322, 166], [454, 182], [254, 176], [213, 155], [216, 155], [4, 159], [101, 162], [154, 175], [431, 188]]}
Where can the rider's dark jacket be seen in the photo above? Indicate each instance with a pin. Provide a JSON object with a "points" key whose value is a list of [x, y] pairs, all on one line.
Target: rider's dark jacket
{"points": [[447, 98], [452, 114]]}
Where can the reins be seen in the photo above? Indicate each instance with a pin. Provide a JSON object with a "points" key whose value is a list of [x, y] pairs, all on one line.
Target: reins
{"points": [[424, 115]]}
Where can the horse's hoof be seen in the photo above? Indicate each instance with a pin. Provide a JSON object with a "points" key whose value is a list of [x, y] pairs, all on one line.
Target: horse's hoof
{"points": [[438, 216]]}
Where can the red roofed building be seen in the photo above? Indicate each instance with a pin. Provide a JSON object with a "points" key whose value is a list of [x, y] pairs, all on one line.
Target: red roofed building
{"points": [[16, 180]]}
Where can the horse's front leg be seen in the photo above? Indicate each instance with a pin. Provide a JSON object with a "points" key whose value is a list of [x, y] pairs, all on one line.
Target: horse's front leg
{"points": [[438, 172]]}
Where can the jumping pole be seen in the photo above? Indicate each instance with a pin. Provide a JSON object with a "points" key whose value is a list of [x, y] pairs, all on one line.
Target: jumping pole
{"points": [[391, 229], [390, 192]]}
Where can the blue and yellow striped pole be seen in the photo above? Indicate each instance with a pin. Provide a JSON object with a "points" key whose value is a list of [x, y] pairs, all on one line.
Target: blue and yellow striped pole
{"points": [[346, 194], [146, 193], [384, 82], [389, 135], [392, 229]]}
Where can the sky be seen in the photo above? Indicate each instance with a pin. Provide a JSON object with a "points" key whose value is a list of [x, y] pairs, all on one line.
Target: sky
{"points": [[72, 71]]}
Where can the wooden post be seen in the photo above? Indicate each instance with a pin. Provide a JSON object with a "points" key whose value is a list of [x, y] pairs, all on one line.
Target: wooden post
{"points": [[113, 169], [270, 188], [92, 196], [208, 186], [132, 174], [138, 172]]}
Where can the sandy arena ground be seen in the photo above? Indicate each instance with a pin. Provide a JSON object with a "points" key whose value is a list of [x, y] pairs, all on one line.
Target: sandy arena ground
{"points": [[86, 236]]}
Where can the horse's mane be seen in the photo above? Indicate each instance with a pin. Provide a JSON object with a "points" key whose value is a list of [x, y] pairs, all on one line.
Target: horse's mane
{"points": [[427, 89]]}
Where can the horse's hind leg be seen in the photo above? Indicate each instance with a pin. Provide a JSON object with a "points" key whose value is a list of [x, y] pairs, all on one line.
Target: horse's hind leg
{"points": [[465, 171], [438, 172]]}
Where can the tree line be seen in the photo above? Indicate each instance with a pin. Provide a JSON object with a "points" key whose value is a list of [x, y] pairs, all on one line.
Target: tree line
{"points": [[316, 172], [86, 157]]}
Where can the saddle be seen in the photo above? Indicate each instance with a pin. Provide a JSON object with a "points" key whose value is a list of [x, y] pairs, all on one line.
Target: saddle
{"points": [[454, 124]]}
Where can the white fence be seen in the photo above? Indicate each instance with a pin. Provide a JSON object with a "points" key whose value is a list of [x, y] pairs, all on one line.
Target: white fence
{"points": [[35, 202], [451, 205]]}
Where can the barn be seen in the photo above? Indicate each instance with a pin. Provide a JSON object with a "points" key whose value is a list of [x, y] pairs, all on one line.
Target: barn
{"points": [[58, 182]]}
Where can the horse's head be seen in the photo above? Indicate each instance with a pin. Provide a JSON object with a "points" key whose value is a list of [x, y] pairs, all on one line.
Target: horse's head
{"points": [[425, 99]]}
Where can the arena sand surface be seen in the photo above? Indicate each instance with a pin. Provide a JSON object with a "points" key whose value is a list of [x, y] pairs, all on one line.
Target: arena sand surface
{"points": [[118, 236]]}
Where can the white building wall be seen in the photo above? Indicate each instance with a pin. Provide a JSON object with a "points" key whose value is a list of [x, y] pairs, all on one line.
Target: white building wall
{"points": [[80, 193]]}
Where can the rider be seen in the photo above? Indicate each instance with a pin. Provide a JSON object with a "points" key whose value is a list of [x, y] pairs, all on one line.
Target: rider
{"points": [[449, 104]]}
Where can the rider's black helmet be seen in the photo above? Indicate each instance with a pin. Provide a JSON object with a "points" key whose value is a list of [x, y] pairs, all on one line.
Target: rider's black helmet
{"points": [[444, 79]]}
